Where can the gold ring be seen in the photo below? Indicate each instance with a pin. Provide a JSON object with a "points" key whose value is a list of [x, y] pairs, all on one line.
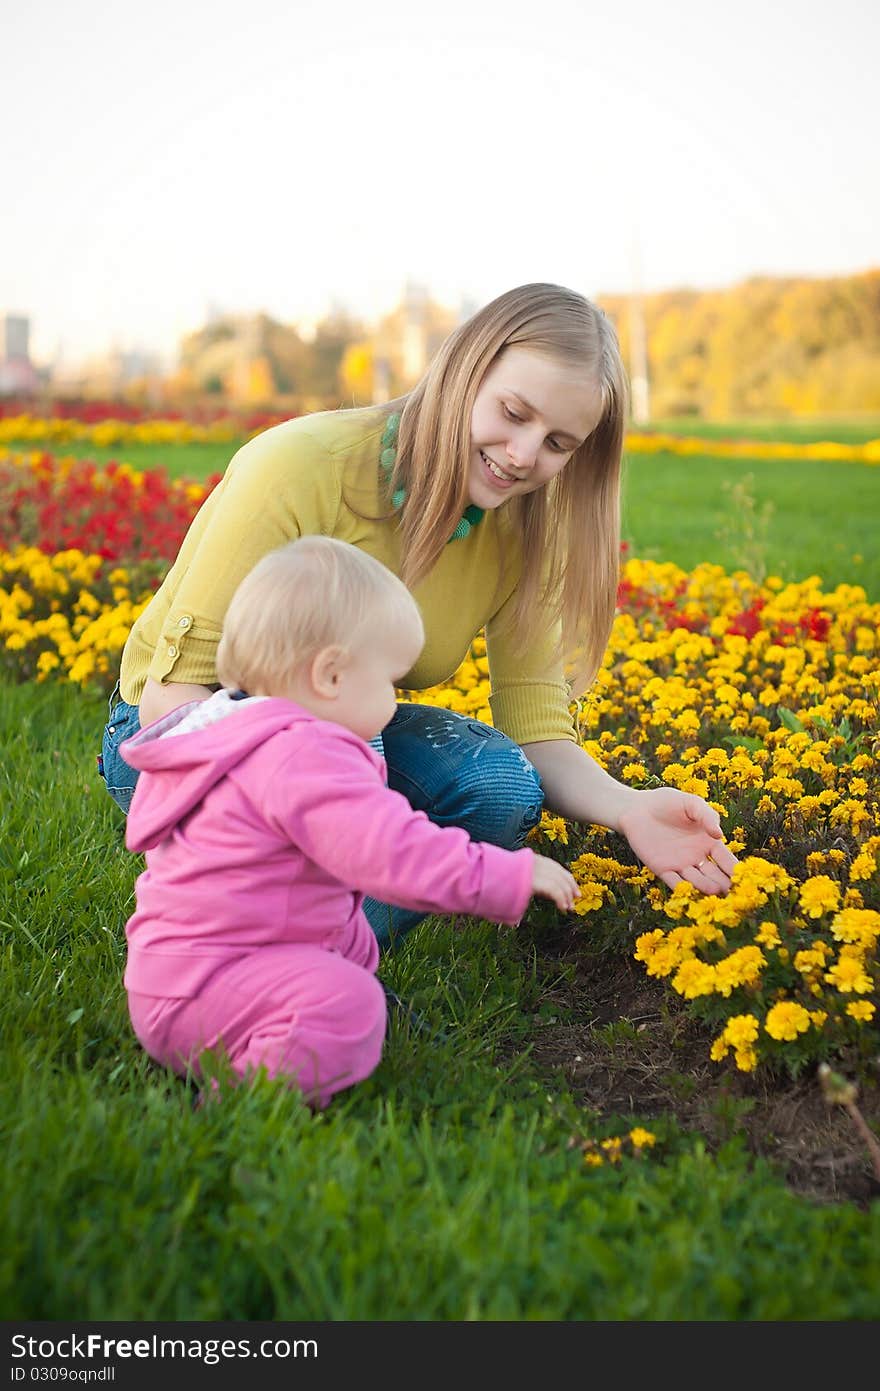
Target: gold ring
{"points": [[700, 865]]}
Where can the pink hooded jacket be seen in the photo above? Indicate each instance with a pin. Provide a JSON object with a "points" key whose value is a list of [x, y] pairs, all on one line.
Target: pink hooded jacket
{"points": [[269, 827]]}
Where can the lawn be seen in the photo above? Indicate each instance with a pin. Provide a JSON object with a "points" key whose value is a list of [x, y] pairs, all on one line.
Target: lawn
{"points": [[792, 518]]}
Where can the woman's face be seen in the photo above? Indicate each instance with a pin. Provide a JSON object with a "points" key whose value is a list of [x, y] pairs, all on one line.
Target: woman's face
{"points": [[530, 415]]}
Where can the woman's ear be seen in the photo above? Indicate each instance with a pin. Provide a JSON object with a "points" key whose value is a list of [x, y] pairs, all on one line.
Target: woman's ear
{"points": [[325, 670]]}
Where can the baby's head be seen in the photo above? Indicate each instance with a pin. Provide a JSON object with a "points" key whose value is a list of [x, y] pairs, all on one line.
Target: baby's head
{"points": [[322, 623]]}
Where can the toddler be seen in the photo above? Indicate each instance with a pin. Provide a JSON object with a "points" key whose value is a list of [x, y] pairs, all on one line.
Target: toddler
{"points": [[266, 819]]}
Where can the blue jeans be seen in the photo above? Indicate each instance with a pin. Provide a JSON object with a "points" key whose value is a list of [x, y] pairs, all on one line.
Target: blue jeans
{"points": [[460, 772]]}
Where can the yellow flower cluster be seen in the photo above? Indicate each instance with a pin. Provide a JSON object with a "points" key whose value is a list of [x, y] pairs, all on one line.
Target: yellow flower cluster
{"points": [[684, 445], [797, 975], [107, 433], [60, 615], [611, 1150]]}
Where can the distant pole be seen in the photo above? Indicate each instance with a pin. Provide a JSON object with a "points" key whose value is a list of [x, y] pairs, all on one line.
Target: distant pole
{"points": [[638, 348]]}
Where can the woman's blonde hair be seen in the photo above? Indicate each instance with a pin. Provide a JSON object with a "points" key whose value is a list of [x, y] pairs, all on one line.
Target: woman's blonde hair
{"points": [[309, 594], [568, 532]]}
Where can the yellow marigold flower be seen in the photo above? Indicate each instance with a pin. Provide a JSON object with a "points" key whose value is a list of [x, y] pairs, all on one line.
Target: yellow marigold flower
{"points": [[746, 1059], [761, 874], [786, 1020], [859, 925], [819, 895], [592, 896], [613, 1147], [642, 1138], [741, 1030], [808, 961], [768, 935], [864, 866], [742, 967], [694, 978], [688, 722], [634, 772], [676, 904], [818, 1017], [719, 1050], [785, 787], [592, 1159], [766, 807], [551, 828], [862, 1010], [46, 662], [849, 975], [851, 812]]}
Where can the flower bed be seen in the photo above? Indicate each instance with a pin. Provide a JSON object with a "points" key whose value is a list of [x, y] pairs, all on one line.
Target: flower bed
{"points": [[116, 512]]}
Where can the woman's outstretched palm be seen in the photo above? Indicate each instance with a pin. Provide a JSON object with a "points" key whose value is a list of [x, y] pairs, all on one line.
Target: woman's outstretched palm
{"points": [[678, 836]]}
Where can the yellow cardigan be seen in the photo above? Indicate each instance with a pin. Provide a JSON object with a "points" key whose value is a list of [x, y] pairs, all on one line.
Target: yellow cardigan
{"points": [[313, 475]]}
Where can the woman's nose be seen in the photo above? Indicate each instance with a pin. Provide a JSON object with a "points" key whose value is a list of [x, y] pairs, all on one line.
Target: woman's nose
{"points": [[522, 451]]}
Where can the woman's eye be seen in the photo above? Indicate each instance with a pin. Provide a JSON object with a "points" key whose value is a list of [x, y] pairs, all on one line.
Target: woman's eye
{"points": [[555, 444], [511, 416]]}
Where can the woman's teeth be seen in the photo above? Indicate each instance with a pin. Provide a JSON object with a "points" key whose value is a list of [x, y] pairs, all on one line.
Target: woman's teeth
{"points": [[499, 473]]}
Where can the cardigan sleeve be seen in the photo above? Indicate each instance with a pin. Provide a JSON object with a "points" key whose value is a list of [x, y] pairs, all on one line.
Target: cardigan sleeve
{"points": [[280, 485], [531, 698]]}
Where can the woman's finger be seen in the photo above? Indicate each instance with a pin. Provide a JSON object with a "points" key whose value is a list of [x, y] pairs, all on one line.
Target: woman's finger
{"points": [[707, 878], [670, 878], [723, 858]]}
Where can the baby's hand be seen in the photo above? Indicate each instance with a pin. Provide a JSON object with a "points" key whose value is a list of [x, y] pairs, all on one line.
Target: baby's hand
{"points": [[552, 880]]}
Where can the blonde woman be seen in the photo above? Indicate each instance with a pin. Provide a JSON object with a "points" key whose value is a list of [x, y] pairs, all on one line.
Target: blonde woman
{"points": [[492, 491]]}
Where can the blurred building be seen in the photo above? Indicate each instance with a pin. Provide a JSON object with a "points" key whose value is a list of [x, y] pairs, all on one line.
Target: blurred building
{"points": [[18, 375], [118, 373]]}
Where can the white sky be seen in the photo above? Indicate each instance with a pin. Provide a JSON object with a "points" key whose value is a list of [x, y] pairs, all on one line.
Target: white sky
{"points": [[280, 155]]}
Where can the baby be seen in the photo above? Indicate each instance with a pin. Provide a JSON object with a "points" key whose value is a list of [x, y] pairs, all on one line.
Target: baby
{"points": [[266, 819]]}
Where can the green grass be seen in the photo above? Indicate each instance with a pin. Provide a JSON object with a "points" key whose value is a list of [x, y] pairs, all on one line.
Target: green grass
{"points": [[442, 1188], [823, 516], [843, 429], [179, 460]]}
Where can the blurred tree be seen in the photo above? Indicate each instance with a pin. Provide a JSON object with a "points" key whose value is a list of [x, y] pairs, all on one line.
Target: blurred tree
{"points": [[766, 346]]}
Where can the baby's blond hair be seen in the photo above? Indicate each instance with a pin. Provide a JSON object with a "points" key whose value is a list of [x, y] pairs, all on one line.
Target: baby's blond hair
{"points": [[309, 594]]}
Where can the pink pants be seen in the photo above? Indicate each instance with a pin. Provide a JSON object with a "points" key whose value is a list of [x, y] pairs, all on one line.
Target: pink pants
{"points": [[301, 1012]]}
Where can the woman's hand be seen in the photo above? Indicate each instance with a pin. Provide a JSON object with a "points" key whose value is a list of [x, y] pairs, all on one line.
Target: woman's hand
{"points": [[552, 880], [678, 836]]}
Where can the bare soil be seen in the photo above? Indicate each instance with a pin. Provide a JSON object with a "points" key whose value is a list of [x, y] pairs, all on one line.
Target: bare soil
{"points": [[627, 1048]]}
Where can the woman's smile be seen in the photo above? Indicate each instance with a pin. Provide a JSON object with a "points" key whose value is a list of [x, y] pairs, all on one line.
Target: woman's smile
{"points": [[499, 476]]}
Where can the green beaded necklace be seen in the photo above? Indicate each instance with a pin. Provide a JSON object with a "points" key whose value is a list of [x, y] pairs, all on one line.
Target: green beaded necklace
{"points": [[472, 515]]}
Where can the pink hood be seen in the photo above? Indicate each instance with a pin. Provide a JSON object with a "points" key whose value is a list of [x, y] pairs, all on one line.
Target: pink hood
{"points": [[186, 767]]}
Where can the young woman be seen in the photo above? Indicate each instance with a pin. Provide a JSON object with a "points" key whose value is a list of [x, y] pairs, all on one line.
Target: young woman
{"points": [[492, 490]]}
